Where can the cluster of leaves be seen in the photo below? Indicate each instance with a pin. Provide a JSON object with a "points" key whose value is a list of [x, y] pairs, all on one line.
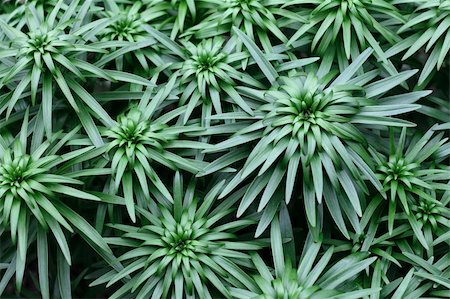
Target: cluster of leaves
{"points": [[225, 149]]}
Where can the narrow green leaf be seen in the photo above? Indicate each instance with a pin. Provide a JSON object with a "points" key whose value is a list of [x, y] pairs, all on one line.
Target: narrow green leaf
{"points": [[265, 66]]}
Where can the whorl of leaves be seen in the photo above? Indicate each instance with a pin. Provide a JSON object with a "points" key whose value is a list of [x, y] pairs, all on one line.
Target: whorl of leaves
{"points": [[225, 149]]}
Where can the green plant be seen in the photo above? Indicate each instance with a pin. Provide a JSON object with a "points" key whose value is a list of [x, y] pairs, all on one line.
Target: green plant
{"points": [[40, 55], [129, 24], [33, 179], [349, 23], [309, 280], [309, 125], [183, 13], [224, 149], [431, 29], [410, 175], [257, 18], [185, 248], [206, 71], [134, 143]]}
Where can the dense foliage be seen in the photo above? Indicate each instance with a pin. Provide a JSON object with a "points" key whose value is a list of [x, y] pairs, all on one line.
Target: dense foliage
{"points": [[225, 149]]}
